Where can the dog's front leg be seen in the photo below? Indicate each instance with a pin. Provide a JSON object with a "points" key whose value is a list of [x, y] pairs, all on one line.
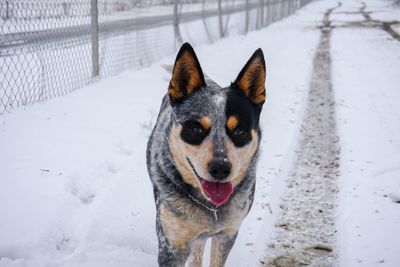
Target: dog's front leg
{"points": [[221, 245], [196, 253], [168, 255], [173, 239]]}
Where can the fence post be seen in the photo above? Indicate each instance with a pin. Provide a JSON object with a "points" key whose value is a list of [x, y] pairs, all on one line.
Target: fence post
{"points": [[7, 16], [220, 22], [247, 16], [262, 13], [94, 13], [178, 38]]}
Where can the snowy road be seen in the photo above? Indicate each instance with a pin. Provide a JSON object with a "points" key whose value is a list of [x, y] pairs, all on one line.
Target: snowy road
{"points": [[112, 28], [74, 189]]}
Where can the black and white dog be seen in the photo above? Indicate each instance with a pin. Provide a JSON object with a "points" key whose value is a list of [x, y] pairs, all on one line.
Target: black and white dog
{"points": [[201, 159]]}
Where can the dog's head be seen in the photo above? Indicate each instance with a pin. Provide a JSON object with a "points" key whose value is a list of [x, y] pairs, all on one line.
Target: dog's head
{"points": [[215, 131]]}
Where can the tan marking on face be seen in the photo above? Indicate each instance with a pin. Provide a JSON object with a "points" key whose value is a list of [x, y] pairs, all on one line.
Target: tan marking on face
{"points": [[186, 67], [232, 122], [241, 157], [199, 155], [253, 77], [205, 122], [180, 231]]}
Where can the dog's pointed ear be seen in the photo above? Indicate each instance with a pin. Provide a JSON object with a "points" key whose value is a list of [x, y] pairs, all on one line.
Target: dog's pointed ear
{"points": [[251, 79], [187, 75]]}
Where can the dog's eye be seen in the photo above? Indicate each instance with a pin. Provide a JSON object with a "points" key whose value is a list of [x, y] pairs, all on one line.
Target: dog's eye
{"points": [[239, 132], [193, 132], [240, 136], [197, 129]]}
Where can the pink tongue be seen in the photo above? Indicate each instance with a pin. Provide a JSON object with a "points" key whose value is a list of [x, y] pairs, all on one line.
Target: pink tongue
{"points": [[219, 193]]}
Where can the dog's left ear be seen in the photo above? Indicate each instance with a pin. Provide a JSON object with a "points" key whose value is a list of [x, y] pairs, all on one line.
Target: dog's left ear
{"points": [[187, 75], [251, 79]]}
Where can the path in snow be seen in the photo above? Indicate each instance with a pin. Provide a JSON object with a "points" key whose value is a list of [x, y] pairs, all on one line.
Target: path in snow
{"points": [[387, 26], [365, 64], [369, 22], [305, 230]]}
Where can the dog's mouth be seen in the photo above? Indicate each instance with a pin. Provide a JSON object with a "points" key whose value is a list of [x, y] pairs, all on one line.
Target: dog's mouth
{"points": [[217, 192]]}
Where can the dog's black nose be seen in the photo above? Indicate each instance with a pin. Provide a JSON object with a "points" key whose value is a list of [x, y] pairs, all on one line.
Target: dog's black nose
{"points": [[219, 169]]}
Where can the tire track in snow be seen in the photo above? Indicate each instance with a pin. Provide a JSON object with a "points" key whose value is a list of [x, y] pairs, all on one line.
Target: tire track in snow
{"points": [[384, 25], [305, 231], [369, 22]]}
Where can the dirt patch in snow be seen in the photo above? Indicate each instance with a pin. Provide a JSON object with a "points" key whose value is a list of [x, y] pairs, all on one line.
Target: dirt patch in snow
{"points": [[389, 27], [305, 230]]}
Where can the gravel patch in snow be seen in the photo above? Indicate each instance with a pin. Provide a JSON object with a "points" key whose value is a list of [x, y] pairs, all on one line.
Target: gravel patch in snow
{"points": [[306, 230]]}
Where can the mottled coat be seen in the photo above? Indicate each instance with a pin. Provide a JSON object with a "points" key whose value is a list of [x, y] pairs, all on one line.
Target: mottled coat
{"points": [[204, 134]]}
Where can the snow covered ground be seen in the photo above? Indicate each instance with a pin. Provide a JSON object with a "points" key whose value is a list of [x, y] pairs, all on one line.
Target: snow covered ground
{"points": [[366, 78], [74, 189]]}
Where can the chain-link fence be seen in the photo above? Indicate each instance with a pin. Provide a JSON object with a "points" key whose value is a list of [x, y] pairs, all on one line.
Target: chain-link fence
{"points": [[49, 48]]}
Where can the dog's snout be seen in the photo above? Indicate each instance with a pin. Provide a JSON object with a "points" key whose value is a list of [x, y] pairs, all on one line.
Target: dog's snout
{"points": [[219, 169]]}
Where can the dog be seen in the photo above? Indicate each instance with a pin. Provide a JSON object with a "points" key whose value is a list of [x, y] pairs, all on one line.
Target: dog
{"points": [[201, 159]]}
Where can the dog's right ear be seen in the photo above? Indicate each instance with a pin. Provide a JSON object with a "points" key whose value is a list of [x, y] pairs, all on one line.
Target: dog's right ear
{"points": [[251, 79], [187, 75]]}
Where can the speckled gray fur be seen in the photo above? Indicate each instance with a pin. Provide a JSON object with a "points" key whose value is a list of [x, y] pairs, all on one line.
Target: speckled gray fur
{"points": [[168, 183]]}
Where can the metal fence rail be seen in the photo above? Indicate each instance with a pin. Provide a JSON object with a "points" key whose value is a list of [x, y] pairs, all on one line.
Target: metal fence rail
{"points": [[49, 48]]}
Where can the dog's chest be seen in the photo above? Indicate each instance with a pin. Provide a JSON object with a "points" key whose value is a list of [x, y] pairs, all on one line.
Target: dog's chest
{"points": [[181, 231]]}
